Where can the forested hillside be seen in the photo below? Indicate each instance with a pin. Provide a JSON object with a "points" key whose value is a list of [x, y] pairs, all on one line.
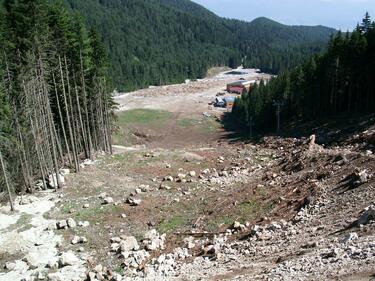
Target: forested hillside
{"points": [[340, 81], [55, 101], [153, 42]]}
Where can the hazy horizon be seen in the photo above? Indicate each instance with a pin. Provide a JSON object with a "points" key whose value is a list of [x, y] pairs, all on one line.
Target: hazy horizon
{"points": [[339, 14]]}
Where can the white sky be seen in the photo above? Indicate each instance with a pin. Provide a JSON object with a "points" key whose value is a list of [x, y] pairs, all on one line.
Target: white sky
{"points": [[340, 14]]}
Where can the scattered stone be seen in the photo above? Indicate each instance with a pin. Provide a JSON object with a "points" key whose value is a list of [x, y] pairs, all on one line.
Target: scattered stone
{"points": [[102, 195], [10, 265], [52, 180], [236, 225], [108, 200], [192, 174], [71, 223], [367, 216], [64, 172], [78, 240], [133, 202], [86, 206], [168, 178], [68, 258], [62, 224], [83, 223], [350, 237]]}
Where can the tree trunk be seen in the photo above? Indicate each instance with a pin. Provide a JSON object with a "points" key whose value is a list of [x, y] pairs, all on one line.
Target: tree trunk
{"points": [[61, 117], [6, 182]]}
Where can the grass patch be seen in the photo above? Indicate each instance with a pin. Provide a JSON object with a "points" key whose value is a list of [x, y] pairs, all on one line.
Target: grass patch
{"points": [[171, 224], [119, 270], [244, 212], [97, 214], [143, 116], [215, 224], [23, 223], [210, 125], [185, 123]]}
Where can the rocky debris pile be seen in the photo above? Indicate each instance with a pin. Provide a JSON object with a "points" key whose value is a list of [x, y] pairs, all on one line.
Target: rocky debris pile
{"points": [[128, 249], [100, 272], [137, 259], [154, 241]]}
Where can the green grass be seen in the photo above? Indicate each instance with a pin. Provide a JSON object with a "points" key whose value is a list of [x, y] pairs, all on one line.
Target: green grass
{"points": [[143, 116], [185, 123], [23, 223], [171, 224], [205, 125], [244, 212], [210, 125], [95, 214]]}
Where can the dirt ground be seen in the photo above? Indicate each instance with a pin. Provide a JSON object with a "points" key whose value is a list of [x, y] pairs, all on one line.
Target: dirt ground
{"points": [[278, 209]]}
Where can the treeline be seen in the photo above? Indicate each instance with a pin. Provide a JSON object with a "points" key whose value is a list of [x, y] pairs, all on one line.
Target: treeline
{"points": [[55, 102], [340, 81], [153, 42]]}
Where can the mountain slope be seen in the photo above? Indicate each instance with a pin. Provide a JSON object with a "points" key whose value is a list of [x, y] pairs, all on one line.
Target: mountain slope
{"points": [[166, 41]]}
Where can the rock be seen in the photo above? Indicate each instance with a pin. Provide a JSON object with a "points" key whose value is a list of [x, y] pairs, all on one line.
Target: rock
{"points": [[128, 243], [64, 172], [88, 162], [161, 259], [78, 240], [367, 216], [102, 195], [236, 225], [10, 265], [134, 202], [168, 166], [332, 254], [153, 240], [83, 223], [192, 174], [181, 176], [71, 223], [68, 258], [52, 180], [350, 237], [53, 264], [27, 200], [40, 276], [108, 200], [164, 187], [86, 206], [190, 245], [363, 176], [168, 178], [144, 187], [62, 224], [224, 174], [115, 240], [57, 276]]}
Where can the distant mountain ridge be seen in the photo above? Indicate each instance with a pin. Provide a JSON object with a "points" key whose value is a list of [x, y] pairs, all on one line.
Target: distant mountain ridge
{"points": [[153, 42]]}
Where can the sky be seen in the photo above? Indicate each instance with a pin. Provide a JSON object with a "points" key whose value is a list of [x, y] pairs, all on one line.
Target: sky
{"points": [[340, 14]]}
